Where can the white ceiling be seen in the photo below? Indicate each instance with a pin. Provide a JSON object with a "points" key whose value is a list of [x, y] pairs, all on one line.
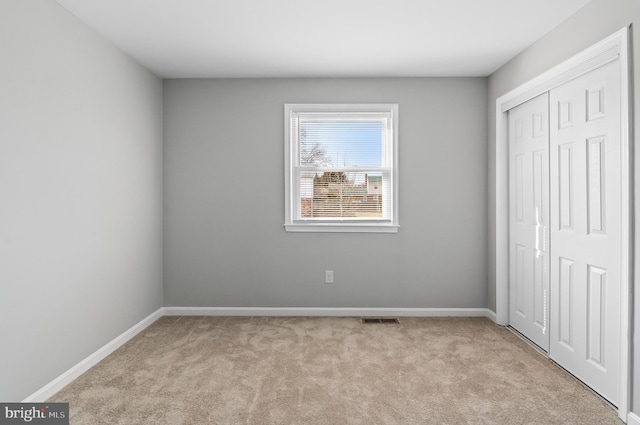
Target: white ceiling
{"points": [[322, 38]]}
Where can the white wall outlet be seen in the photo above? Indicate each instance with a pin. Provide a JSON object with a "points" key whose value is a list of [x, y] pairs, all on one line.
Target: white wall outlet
{"points": [[328, 276]]}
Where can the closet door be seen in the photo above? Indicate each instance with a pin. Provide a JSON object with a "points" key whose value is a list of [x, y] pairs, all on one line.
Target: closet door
{"points": [[528, 219], [585, 233]]}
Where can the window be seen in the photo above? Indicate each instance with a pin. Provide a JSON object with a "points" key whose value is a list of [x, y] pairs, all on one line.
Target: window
{"points": [[341, 168]]}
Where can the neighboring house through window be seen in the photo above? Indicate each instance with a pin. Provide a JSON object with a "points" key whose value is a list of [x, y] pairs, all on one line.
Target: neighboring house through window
{"points": [[341, 167]]}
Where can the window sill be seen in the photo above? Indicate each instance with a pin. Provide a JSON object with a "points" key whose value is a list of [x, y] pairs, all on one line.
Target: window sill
{"points": [[342, 228]]}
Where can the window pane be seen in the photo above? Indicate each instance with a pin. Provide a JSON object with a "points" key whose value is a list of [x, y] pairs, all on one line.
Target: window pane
{"points": [[341, 144], [336, 194]]}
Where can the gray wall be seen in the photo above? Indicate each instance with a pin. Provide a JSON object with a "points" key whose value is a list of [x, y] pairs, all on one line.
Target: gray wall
{"points": [[80, 194], [225, 244], [597, 20]]}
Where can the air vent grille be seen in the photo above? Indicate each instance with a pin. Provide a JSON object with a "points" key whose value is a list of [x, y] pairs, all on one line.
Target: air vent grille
{"points": [[372, 320]]}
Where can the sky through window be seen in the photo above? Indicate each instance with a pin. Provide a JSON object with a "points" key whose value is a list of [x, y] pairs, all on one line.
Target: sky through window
{"points": [[343, 143]]}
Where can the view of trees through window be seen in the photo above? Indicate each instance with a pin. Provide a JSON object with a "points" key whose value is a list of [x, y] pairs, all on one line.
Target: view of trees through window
{"points": [[331, 184]]}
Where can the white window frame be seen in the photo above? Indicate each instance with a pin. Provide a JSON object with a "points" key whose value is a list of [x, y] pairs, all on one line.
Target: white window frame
{"points": [[293, 221]]}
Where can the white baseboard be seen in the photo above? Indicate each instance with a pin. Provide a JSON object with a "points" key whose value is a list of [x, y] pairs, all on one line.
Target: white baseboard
{"points": [[633, 419], [491, 315], [63, 380], [325, 311]]}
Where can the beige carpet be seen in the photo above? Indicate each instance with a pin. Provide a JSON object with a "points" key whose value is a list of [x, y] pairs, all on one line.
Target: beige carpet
{"points": [[277, 370]]}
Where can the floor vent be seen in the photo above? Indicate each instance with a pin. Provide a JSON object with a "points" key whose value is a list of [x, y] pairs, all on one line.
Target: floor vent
{"points": [[380, 320]]}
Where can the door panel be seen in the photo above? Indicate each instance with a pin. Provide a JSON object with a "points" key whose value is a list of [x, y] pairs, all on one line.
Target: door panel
{"points": [[528, 219], [565, 300], [585, 216]]}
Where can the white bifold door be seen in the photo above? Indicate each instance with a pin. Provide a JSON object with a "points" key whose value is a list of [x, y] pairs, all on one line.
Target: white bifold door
{"points": [[529, 219], [565, 213], [585, 236]]}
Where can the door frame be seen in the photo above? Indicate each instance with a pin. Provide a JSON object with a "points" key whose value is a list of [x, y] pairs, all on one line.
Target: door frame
{"points": [[614, 47]]}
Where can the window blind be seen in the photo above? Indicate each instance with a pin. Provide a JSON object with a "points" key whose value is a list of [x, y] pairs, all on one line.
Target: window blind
{"points": [[343, 166]]}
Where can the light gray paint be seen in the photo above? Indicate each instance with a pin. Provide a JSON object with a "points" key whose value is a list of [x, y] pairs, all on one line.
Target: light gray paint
{"points": [[225, 244], [597, 20], [80, 193], [331, 38]]}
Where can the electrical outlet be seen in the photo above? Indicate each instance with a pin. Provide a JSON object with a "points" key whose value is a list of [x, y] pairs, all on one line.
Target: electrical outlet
{"points": [[328, 276]]}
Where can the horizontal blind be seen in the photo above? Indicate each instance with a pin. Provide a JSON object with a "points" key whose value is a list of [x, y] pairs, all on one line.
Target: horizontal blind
{"points": [[338, 144], [342, 166], [344, 195]]}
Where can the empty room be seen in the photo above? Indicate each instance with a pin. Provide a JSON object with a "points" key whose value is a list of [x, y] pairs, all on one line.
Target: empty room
{"points": [[337, 212]]}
